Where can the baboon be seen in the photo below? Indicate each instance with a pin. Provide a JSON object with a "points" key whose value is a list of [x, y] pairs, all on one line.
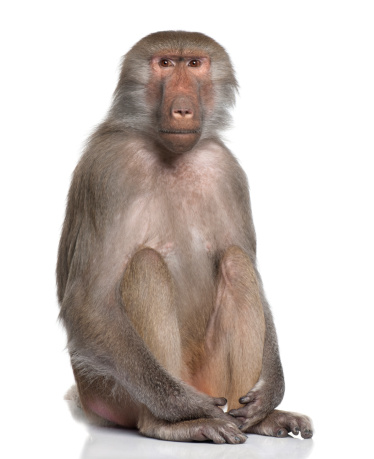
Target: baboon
{"points": [[164, 308]]}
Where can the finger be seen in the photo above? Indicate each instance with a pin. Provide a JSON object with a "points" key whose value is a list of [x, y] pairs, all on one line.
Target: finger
{"points": [[239, 420], [220, 401], [239, 412], [250, 397], [247, 411], [248, 424], [216, 437], [235, 421]]}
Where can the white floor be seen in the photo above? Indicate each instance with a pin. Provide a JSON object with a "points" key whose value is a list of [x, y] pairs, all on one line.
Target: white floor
{"points": [[53, 432], [112, 443]]}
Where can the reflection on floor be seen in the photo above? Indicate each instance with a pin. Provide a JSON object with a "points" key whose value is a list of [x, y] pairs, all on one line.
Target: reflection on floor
{"points": [[113, 443], [116, 443]]}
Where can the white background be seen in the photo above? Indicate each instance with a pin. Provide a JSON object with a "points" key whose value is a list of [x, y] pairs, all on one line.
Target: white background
{"points": [[304, 133]]}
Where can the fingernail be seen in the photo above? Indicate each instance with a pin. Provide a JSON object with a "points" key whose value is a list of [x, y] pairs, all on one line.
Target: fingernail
{"points": [[244, 400]]}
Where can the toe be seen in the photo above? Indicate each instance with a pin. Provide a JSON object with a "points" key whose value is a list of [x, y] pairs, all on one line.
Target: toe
{"points": [[235, 438], [307, 433], [281, 433], [294, 427], [306, 427]]}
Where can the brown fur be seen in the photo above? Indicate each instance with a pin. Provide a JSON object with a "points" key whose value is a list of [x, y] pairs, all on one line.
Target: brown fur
{"points": [[157, 280]]}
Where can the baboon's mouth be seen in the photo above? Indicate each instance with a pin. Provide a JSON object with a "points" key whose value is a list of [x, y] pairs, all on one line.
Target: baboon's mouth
{"points": [[179, 131]]}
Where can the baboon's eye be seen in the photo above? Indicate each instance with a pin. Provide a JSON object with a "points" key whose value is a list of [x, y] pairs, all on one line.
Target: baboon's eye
{"points": [[166, 63], [194, 63]]}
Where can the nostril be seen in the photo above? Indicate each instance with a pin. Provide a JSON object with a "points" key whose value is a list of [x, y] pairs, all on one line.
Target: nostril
{"points": [[182, 108], [182, 112]]}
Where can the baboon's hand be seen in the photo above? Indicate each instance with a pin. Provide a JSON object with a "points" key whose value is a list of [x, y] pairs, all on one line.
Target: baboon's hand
{"points": [[212, 410], [258, 403]]}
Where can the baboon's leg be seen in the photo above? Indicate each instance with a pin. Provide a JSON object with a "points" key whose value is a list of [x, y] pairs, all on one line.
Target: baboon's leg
{"points": [[235, 333], [148, 298]]}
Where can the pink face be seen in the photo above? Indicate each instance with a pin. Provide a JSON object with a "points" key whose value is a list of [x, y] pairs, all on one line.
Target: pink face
{"points": [[181, 88]]}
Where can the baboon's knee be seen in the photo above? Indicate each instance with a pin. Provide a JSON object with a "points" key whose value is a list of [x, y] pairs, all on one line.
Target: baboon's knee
{"points": [[237, 268]]}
